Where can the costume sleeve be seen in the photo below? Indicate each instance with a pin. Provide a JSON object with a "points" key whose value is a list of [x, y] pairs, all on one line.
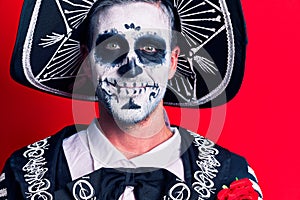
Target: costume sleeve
{"points": [[241, 169], [9, 186]]}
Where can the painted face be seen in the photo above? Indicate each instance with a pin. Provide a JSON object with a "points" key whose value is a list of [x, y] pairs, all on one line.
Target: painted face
{"points": [[131, 59]]}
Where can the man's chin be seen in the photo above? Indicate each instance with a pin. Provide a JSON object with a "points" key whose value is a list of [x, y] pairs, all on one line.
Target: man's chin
{"points": [[129, 117], [128, 111]]}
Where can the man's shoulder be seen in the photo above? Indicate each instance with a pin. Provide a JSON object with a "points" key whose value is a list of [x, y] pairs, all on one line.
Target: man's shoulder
{"points": [[206, 147], [198, 140], [46, 146], [39, 164], [215, 163]]}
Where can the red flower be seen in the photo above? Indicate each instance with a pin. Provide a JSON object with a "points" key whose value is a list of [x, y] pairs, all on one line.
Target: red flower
{"points": [[238, 190]]}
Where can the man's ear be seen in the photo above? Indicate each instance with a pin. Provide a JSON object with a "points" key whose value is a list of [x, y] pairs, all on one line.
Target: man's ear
{"points": [[84, 50], [174, 60]]}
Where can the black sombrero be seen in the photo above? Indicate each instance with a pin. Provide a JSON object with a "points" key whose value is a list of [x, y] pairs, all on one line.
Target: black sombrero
{"points": [[47, 52]]}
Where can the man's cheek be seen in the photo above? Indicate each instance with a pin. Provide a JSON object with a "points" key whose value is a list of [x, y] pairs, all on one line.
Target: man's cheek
{"points": [[158, 73]]}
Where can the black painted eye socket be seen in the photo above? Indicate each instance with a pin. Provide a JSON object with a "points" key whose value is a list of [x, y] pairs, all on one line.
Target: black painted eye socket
{"points": [[151, 49], [111, 48], [150, 44]]}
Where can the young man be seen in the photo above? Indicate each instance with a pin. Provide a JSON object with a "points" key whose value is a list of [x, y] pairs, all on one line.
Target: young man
{"points": [[130, 152]]}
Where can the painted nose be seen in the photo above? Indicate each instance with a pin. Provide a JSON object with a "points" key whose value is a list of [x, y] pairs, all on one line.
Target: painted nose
{"points": [[130, 70]]}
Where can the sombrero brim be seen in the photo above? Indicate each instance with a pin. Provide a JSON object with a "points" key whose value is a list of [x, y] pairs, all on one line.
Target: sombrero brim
{"points": [[47, 52]]}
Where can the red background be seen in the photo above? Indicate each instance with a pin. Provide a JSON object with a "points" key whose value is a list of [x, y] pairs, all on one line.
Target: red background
{"points": [[261, 121]]}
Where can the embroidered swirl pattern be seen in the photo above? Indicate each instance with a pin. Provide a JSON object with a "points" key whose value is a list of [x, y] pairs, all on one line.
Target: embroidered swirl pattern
{"points": [[207, 164], [83, 190], [35, 171]]}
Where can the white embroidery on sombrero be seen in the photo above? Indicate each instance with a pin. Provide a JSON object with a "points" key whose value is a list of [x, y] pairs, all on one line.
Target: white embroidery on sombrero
{"points": [[27, 48], [77, 16], [71, 18], [51, 39], [205, 64], [186, 79], [65, 63], [190, 12]]}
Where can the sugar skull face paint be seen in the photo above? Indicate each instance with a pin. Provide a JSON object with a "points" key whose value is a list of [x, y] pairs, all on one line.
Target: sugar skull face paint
{"points": [[131, 59]]}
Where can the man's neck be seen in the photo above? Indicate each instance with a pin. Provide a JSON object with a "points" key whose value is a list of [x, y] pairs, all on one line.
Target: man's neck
{"points": [[137, 139]]}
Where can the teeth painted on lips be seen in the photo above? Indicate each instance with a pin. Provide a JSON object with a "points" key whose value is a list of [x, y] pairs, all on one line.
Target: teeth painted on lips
{"points": [[130, 85]]}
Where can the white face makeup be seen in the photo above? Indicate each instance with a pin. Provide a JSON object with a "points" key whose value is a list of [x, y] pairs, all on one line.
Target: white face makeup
{"points": [[131, 59]]}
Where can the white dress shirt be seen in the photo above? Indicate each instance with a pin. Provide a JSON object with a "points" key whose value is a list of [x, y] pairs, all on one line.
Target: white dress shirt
{"points": [[89, 150]]}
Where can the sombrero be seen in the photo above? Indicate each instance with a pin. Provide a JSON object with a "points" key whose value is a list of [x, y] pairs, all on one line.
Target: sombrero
{"points": [[47, 52]]}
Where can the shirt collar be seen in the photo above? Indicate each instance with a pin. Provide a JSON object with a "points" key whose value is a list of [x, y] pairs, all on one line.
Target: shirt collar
{"points": [[106, 155]]}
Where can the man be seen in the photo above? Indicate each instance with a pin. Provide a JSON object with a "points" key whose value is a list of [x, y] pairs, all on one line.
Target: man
{"points": [[131, 152]]}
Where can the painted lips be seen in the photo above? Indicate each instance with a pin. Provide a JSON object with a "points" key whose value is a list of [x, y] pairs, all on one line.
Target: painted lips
{"points": [[130, 88]]}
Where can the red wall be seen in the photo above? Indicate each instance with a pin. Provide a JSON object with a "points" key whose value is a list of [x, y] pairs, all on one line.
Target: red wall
{"points": [[261, 122]]}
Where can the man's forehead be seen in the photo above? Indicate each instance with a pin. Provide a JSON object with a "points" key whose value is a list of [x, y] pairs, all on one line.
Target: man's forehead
{"points": [[133, 16]]}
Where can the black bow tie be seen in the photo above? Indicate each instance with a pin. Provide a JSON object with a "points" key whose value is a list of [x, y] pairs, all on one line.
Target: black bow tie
{"points": [[109, 184]]}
